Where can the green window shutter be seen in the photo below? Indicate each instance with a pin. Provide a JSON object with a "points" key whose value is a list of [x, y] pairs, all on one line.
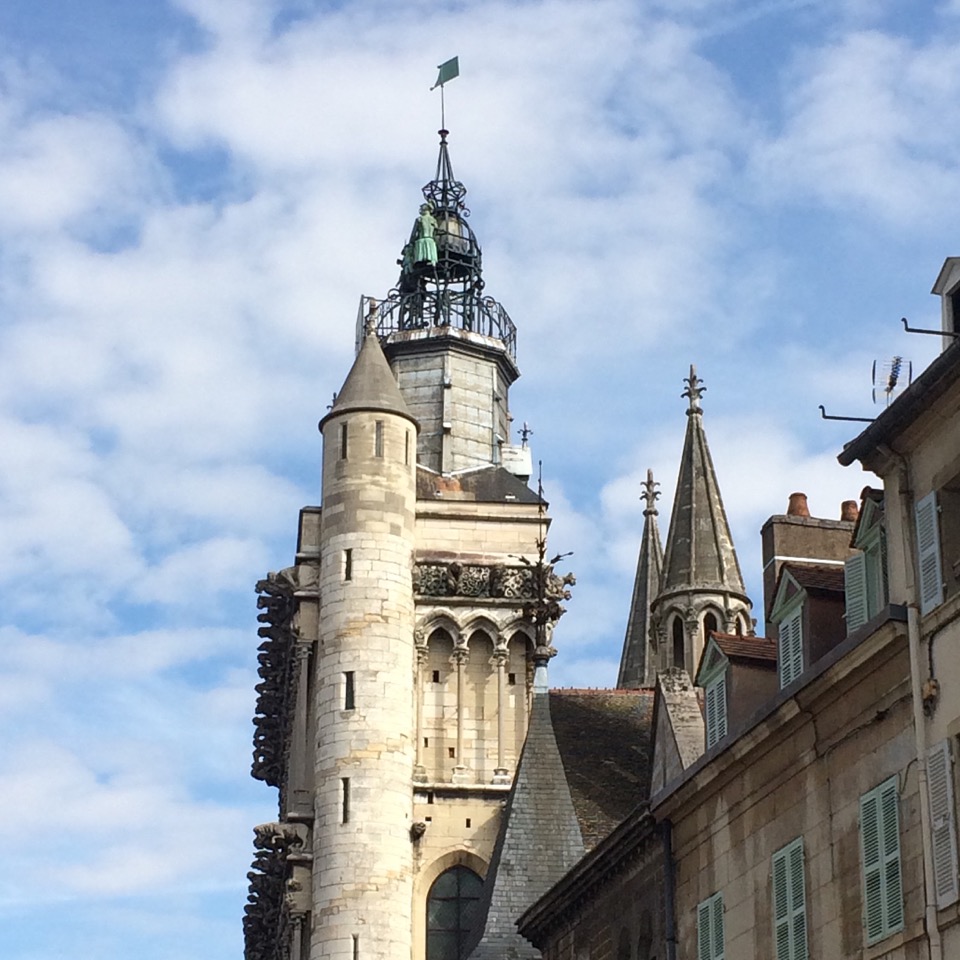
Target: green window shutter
{"points": [[942, 824], [703, 931], [789, 903], [855, 588], [880, 850], [928, 553], [710, 928], [717, 927], [790, 653], [716, 697]]}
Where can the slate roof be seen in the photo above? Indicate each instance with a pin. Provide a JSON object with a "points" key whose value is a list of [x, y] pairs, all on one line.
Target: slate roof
{"points": [[737, 647], [821, 578], [538, 842], [605, 738], [485, 485]]}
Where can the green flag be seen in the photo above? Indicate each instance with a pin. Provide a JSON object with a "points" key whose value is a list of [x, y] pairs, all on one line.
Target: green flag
{"points": [[448, 71]]}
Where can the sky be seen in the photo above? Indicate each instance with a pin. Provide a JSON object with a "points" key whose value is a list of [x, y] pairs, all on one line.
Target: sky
{"points": [[194, 194]]}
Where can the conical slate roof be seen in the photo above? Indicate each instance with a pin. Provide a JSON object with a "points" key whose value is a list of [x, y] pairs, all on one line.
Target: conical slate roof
{"points": [[370, 384], [538, 842], [699, 552], [636, 666]]}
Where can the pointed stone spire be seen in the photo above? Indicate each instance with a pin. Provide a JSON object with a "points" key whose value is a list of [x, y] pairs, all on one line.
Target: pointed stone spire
{"points": [[699, 550], [701, 588], [638, 660], [538, 842], [370, 384]]}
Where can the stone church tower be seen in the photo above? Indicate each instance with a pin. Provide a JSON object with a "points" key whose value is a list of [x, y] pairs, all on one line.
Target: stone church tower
{"points": [[397, 668], [692, 585]]}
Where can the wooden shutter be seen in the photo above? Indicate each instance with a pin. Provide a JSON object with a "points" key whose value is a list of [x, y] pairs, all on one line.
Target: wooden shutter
{"points": [[855, 588], [710, 928], [928, 553], [716, 710], [789, 903], [880, 849], [717, 902], [704, 939], [943, 824], [790, 651]]}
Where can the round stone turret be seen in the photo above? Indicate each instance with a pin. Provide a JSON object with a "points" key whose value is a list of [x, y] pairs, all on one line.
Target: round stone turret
{"points": [[364, 681]]}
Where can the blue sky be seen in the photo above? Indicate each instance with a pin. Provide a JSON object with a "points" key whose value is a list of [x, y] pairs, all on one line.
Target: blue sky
{"points": [[193, 197]]}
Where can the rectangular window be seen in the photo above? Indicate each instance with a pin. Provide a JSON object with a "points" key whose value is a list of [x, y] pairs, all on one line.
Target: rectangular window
{"points": [[378, 438], [790, 652], [943, 824], [452, 753], [436, 676], [716, 703], [348, 564], [789, 903], [406, 448], [880, 854], [928, 550], [348, 691], [343, 441], [344, 799], [356, 946], [710, 928], [512, 679]]}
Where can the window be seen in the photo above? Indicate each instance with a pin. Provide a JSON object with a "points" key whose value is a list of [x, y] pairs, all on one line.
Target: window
{"points": [[345, 800], [678, 644], [452, 907], [348, 564], [790, 649], [406, 448], [709, 625], [942, 824], [716, 703], [928, 553], [343, 441], [789, 903], [349, 700], [710, 928], [880, 854], [865, 573], [378, 438]]}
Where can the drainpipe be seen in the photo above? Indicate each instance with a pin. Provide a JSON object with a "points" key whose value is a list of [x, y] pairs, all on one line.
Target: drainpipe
{"points": [[669, 884], [914, 640]]}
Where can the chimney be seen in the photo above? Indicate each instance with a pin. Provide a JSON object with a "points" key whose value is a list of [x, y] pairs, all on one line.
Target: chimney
{"points": [[797, 507], [849, 511]]}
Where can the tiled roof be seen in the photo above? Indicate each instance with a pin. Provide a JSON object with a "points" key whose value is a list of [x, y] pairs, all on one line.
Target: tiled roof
{"points": [[486, 485], [815, 576], [746, 648], [604, 738]]}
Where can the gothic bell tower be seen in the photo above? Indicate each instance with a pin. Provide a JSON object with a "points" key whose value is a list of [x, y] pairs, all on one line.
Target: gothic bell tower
{"points": [[397, 669]]}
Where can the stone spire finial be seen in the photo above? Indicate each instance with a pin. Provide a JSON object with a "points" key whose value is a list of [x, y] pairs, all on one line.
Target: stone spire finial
{"points": [[650, 494], [694, 391]]}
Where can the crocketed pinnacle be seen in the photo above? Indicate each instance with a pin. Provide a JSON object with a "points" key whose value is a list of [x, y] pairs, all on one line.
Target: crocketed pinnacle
{"points": [[637, 662], [699, 552]]}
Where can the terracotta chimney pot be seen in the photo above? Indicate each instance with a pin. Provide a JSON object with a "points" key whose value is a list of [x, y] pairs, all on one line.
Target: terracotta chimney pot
{"points": [[797, 507], [849, 510]]}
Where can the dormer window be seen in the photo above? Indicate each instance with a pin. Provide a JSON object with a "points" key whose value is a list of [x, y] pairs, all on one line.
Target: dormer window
{"points": [[712, 676], [865, 573], [790, 645]]}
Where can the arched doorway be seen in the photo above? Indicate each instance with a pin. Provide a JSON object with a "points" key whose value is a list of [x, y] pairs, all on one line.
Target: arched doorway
{"points": [[451, 910]]}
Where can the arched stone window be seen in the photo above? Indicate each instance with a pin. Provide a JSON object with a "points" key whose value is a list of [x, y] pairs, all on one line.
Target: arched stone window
{"points": [[678, 644], [451, 910], [709, 624]]}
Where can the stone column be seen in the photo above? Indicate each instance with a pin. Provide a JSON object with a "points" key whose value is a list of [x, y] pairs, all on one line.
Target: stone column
{"points": [[422, 651], [461, 654], [501, 656], [300, 799]]}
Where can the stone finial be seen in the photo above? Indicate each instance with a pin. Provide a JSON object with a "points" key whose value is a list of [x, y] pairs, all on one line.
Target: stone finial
{"points": [[650, 494], [370, 321], [694, 390]]}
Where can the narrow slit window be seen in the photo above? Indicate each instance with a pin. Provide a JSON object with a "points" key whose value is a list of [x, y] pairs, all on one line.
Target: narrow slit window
{"points": [[348, 564], [344, 799], [356, 946], [452, 753], [348, 691], [436, 676], [512, 679], [468, 821], [406, 448], [343, 441], [426, 741], [378, 439]]}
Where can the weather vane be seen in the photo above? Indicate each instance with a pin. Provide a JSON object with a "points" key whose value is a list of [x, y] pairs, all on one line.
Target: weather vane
{"points": [[448, 70]]}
